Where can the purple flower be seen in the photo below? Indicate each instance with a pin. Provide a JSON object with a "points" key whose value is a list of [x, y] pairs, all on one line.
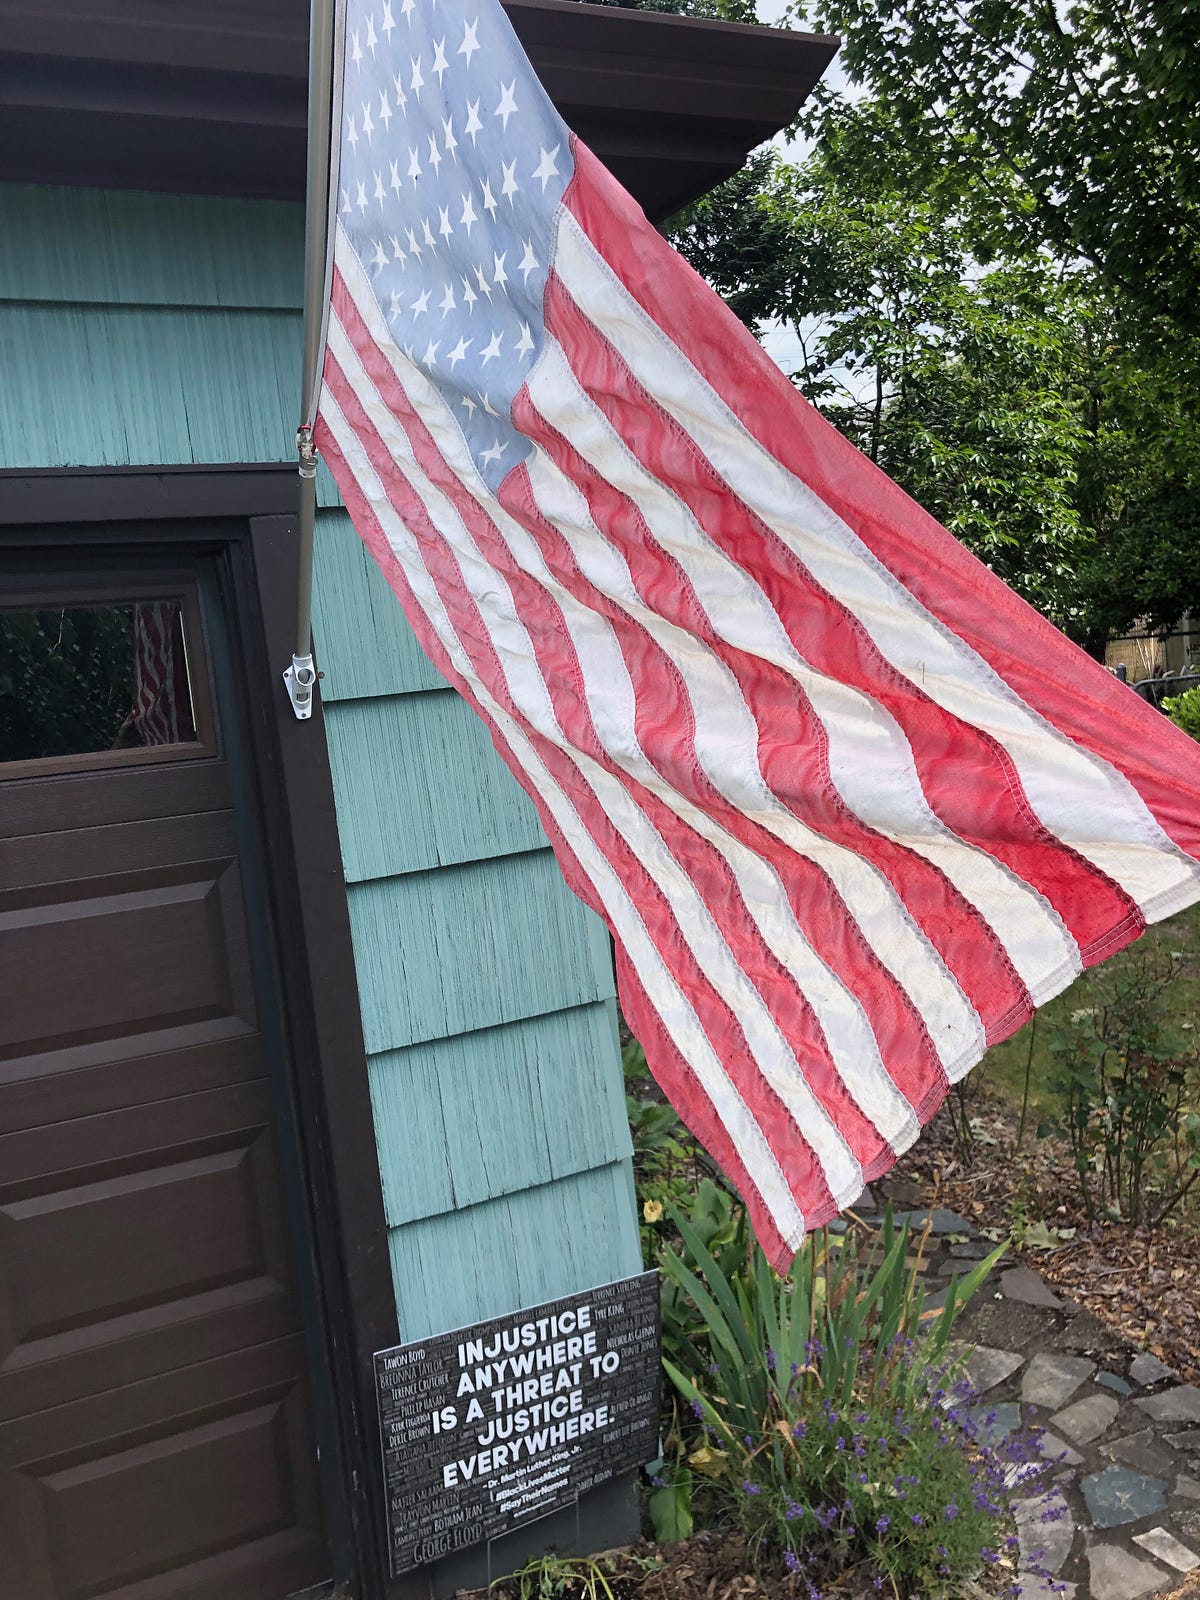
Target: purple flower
{"points": [[750, 1488], [951, 1512], [841, 1443], [697, 1410], [917, 1520], [989, 1556], [883, 1524], [800, 1429], [791, 1561], [770, 1360]]}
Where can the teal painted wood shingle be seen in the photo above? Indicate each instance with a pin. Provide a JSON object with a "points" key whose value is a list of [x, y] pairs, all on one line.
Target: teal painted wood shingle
{"points": [[366, 646], [472, 946], [112, 247], [382, 753], [470, 1118], [520, 1250]]}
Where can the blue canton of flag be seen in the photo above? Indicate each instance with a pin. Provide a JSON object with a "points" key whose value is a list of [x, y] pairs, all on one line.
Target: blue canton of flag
{"points": [[453, 163]]}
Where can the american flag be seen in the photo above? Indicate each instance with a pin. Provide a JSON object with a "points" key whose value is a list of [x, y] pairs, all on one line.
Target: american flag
{"points": [[849, 807]]}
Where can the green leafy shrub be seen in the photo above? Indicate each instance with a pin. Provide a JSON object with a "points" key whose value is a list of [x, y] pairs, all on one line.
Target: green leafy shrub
{"points": [[1184, 711], [813, 1410], [1128, 1074]]}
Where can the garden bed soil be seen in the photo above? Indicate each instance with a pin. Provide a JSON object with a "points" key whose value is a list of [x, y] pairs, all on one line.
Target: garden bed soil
{"points": [[1144, 1283]]}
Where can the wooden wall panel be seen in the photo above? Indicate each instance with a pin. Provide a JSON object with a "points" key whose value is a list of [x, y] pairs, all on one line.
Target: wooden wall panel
{"points": [[364, 644], [108, 247], [520, 1250], [383, 751], [468, 947], [469, 1118]]}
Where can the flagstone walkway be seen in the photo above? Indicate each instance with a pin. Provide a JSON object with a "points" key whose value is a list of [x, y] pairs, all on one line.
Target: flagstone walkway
{"points": [[1117, 1516]]}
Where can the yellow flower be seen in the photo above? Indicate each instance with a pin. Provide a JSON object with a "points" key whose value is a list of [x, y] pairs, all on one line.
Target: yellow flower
{"points": [[652, 1211]]}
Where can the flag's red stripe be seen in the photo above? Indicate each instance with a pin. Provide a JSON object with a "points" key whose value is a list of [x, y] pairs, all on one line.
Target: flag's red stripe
{"points": [[967, 777], [702, 862], [793, 754], [1049, 673], [791, 1151], [666, 734]]}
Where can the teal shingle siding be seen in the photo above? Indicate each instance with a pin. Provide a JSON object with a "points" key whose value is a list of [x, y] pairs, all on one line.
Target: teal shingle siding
{"points": [[148, 329]]}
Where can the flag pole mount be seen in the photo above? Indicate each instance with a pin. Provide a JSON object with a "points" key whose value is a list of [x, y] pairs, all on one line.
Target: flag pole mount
{"points": [[300, 679]]}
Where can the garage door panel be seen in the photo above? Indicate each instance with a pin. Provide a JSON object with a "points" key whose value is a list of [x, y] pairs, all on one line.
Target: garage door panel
{"points": [[138, 951], [176, 1236], [151, 1502], [106, 1075]]}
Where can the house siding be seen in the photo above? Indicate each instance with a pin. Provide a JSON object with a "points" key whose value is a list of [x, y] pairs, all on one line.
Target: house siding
{"points": [[146, 330]]}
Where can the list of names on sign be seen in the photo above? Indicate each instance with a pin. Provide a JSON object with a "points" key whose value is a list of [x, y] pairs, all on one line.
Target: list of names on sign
{"points": [[488, 1427]]}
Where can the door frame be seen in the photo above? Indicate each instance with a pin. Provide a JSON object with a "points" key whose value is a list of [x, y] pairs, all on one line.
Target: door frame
{"points": [[245, 520]]}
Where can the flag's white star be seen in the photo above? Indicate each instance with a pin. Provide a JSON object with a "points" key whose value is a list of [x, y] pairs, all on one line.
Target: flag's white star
{"points": [[368, 125], [387, 24], [474, 125], [494, 453], [510, 186], [398, 86], [345, 206], [372, 38], [361, 200], [547, 167], [379, 259], [499, 276], [434, 157], [525, 343], [468, 218], [407, 9], [445, 226], [411, 239], [447, 302], [380, 191], [490, 408], [528, 262], [507, 104], [385, 111], [468, 405], [421, 304], [469, 295], [484, 285], [469, 43], [351, 133], [414, 163], [356, 54], [426, 234], [491, 350], [393, 305], [448, 139], [489, 199], [459, 351], [440, 64], [396, 182], [416, 83], [431, 351], [398, 254]]}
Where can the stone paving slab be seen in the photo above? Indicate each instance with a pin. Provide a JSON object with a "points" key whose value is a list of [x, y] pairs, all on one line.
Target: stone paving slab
{"points": [[1118, 1434]]}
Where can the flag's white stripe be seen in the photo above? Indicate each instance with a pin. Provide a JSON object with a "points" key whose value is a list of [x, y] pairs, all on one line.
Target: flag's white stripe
{"points": [[611, 700], [1080, 797], [770, 1049], [664, 993], [871, 762]]}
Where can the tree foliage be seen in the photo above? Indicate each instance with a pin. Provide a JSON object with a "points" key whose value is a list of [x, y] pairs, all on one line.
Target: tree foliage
{"points": [[951, 254]]}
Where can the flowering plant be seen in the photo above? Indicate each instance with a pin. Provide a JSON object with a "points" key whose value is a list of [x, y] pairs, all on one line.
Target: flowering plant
{"points": [[819, 1411]]}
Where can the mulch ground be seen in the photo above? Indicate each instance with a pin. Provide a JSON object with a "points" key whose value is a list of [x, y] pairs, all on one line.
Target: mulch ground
{"points": [[1145, 1283]]}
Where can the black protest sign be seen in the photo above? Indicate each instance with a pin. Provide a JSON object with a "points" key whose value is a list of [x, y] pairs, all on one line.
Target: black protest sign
{"points": [[490, 1426]]}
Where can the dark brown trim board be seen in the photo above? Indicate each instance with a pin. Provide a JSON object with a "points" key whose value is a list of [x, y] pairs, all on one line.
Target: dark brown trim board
{"points": [[41, 496]]}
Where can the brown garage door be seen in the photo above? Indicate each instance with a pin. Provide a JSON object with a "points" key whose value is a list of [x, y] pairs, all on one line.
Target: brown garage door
{"points": [[155, 1430]]}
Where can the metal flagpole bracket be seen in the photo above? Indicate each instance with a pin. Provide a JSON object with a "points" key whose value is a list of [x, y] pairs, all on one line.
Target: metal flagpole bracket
{"points": [[300, 680]]}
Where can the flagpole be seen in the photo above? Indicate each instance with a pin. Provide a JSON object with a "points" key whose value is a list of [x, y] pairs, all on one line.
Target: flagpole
{"points": [[301, 677]]}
